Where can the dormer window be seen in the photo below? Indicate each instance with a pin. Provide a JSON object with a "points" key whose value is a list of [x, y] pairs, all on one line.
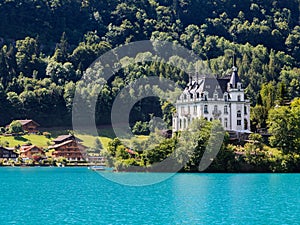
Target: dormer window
{"points": [[239, 86], [225, 97], [198, 95], [191, 96], [205, 97], [215, 96]]}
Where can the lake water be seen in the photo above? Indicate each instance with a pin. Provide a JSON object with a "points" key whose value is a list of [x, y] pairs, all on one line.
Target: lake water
{"points": [[79, 196]]}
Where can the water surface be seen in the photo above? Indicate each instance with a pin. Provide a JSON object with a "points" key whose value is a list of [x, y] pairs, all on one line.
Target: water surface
{"points": [[79, 196]]}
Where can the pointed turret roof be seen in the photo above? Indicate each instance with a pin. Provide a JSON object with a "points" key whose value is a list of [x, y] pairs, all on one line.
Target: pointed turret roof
{"points": [[234, 78]]}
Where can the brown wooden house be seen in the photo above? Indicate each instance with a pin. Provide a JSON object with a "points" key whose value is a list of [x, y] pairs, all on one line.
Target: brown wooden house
{"points": [[30, 126], [68, 146], [8, 153], [31, 152]]}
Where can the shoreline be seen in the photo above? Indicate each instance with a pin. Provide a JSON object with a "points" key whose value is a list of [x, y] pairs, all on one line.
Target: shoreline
{"points": [[179, 172]]}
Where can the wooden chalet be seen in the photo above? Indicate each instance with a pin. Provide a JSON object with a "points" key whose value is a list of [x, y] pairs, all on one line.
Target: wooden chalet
{"points": [[29, 125], [68, 146], [31, 152], [8, 153]]}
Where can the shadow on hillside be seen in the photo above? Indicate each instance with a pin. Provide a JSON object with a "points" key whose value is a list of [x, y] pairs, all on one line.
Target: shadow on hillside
{"points": [[20, 138]]}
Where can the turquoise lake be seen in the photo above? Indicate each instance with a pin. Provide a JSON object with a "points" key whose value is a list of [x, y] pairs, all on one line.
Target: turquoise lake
{"points": [[79, 196]]}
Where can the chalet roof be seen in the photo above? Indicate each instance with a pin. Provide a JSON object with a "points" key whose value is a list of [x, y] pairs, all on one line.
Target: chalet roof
{"points": [[64, 143], [26, 148], [24, 122], [60, 144], [6, 148], [64, 137]]}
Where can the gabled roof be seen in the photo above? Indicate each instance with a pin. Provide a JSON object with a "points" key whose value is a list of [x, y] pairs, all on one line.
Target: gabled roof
{"points": [[61, 144], [6, 148], [24, 122], [64, 143], [63, 137], [210, 85], [26, 148]]}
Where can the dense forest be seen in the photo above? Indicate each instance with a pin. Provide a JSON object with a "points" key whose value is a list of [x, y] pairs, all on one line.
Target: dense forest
{"points": [[45, 47]]}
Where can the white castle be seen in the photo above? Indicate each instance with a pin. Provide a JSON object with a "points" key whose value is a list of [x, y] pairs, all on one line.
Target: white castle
{"points": [[214, 99]]}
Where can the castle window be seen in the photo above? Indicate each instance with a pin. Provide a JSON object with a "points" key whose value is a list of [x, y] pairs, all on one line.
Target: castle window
{"points": [[225, 97], [239, 122], [195, 109], [239, 86], [198, 95], [245, 110], [205, 97], [245, 124], [210, 119], [239, 114], [191, 95], [225, 122], [180, 124], [215, 108], [225, 109], [205, 109], [239, 98], [184, 97], [216, 96]]}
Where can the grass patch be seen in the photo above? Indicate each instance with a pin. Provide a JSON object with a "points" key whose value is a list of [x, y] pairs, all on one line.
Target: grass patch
{"points": [[38, 140], [105, 135]]}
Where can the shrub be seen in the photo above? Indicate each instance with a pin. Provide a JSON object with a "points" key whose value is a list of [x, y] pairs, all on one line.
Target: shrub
{"points": [[47, 135], [15, 127], [141, 128]]}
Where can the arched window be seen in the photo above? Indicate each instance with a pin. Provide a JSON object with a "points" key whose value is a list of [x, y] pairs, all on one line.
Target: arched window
{"points": [[239, 86], [239, 114], [215, 96], [225, 109], [239, 98], [205, 97], [180, 123], [226, 97], [225, 122], [205, 109], [245, 110], [245, 124]]}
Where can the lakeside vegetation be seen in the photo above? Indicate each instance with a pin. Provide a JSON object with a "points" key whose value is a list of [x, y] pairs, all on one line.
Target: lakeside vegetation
{"points": [[46, 47]]}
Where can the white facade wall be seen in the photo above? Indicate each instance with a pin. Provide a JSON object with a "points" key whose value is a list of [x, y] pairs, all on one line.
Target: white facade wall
{"points": [[236, 117]]}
